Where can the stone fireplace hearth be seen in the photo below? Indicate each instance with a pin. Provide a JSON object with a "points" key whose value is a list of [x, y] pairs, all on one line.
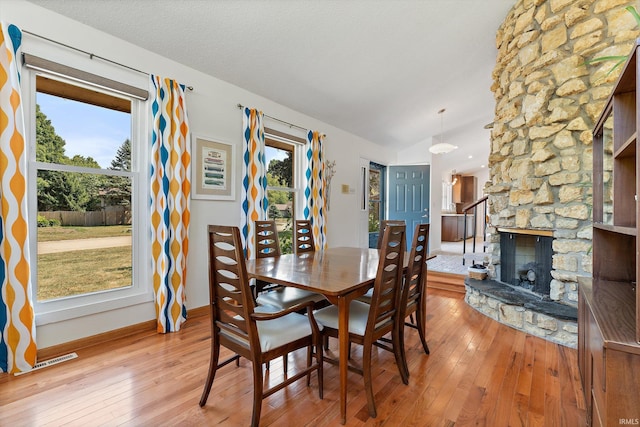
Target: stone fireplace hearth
{"points": [[546, 319]]}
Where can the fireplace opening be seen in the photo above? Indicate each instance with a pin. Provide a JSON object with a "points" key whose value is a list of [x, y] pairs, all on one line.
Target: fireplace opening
{"points": [[526, 261]]}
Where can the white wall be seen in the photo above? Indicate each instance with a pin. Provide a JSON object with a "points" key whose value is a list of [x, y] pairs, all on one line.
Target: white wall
{"points": [[212, 112]]}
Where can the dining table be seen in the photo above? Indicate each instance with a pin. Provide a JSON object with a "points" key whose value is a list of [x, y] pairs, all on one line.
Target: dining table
{"points": [[341, 274]]}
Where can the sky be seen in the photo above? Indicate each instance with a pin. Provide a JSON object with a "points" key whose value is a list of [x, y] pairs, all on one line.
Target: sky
{"points": [[88, 130], [97, 132], [271, 153]]}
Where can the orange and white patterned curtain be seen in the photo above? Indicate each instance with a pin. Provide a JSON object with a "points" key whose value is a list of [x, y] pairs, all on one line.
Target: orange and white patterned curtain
{"points": [[17, 321], [170, 188], [254, 177], [315, 189]]}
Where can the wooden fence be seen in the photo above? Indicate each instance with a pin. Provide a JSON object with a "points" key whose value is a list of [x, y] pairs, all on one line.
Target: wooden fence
{"points": [[112, 215]]}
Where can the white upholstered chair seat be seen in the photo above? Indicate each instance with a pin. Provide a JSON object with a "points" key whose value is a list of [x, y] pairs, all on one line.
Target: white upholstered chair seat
{"points": [[277, 332], [281, 331], [358, 315], [287, 296], [366, 297]]}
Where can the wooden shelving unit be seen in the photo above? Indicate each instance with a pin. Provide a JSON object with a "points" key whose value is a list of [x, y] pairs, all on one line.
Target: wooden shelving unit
{"points": [[608, 304]]}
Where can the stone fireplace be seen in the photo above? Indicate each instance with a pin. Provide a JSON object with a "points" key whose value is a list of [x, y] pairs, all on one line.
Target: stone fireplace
{"points": [[519, 293], [547, 101]]}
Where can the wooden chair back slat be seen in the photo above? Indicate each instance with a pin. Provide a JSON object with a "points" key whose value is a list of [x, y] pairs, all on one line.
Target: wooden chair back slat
{"points": [[303, 234], [388, 283], [266, 239], [415, 277], [231, 298], [383, 225]]}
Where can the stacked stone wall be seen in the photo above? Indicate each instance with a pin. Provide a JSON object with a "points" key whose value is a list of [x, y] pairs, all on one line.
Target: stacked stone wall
{"points": [[547, 102]]}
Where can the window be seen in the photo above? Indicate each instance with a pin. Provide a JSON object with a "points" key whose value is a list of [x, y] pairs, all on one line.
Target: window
{"points": [[376, 196], [281, 188], [373, 182], [88, 198], [447, 196], [374, 200]]}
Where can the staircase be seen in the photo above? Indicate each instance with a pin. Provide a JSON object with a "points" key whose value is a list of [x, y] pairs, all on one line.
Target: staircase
{"points": [[473, 207]]}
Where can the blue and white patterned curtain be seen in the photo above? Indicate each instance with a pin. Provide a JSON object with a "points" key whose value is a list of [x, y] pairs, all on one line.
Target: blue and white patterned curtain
{"points": [[254, 177], [170, 189], [17, 321], [314, 193]]}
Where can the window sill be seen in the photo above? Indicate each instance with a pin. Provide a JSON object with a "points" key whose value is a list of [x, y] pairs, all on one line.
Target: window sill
{"points": [[44, 317]]}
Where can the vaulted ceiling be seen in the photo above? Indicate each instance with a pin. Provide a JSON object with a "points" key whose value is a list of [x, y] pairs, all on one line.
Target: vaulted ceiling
{"points": [[380, 69]]}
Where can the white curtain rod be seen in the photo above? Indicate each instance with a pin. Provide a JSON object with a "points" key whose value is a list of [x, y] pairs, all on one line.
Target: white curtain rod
{"points": [[240, 106], [91, 55]]}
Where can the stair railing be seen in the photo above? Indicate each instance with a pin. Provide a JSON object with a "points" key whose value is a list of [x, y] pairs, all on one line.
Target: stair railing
{"points": [[466, 210]]}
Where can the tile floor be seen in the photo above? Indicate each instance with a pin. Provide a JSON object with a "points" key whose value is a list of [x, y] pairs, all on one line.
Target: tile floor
{"points": [[449, 258]]}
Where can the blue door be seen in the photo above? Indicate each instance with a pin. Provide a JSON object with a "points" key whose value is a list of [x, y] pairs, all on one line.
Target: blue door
{"points": [[408, 197]]}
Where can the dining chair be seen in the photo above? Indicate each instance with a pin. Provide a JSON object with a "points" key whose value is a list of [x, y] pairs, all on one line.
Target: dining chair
{"points": [[281, 297], [369, 322], [256, 336], [414, 289], [303, 237], [412, 298], [383, 224], [267, 245]]}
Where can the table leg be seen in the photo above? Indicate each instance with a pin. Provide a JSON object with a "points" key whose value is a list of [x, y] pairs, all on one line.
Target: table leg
{"points": [[343, 338]]}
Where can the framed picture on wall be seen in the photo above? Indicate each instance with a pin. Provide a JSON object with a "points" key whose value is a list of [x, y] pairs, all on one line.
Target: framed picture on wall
{"points": [[212, 174]]}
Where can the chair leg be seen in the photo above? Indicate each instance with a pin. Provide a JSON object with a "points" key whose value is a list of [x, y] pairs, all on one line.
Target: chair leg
{"points": [[285, 364], [420, 317], [366, 373], [213, 367], [320, 361], [309, 361], [258, 386], [399, 353]]}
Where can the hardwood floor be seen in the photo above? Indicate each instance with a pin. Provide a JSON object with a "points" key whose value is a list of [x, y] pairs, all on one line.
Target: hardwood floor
{"points": [[479, 372]]}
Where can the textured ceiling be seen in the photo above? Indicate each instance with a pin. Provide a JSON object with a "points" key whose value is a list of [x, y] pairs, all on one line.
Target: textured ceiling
{"points": [[380, 69]]}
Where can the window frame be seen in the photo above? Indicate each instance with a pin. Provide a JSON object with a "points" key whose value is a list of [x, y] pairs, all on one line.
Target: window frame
{"points": [[140, 291], [382, 194], [295, 145]]}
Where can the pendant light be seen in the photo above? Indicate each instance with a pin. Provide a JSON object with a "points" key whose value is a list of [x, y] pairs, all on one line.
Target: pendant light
{"points": [[442, 147]]}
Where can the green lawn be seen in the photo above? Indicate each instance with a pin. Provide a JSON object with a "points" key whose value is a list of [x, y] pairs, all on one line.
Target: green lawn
{"points": [[48, 234], [77, 272]]}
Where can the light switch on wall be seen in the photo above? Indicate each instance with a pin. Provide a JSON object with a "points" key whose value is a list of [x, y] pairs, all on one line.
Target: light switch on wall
{"points": [[345, 189]]}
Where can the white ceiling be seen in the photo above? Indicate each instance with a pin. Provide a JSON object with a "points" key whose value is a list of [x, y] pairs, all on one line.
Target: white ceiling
{"points": [[380, 69]]}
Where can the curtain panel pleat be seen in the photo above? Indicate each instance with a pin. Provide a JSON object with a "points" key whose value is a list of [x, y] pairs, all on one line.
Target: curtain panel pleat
{"points": [[254, 177], [315, 199], [17, 321], [170, 189]]}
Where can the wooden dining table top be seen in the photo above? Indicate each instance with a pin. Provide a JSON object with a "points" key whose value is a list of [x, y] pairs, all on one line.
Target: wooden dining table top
{"points": [[332, 272]]}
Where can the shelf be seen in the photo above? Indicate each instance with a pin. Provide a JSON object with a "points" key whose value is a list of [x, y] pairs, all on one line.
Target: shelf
{"points": [[530, 231], [628, 149], [627, 231], [613, 305]]}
